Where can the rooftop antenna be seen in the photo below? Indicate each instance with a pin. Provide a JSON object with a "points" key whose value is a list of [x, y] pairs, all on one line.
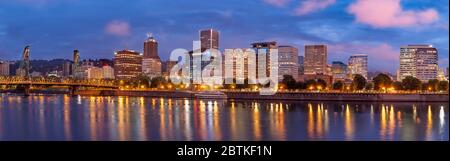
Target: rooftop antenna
{"points": [[149, 34]]}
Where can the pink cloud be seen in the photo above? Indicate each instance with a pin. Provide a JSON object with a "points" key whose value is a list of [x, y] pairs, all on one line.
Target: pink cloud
{"points": [[118, 28], [310, 6], [277, 3], [389, 13]]}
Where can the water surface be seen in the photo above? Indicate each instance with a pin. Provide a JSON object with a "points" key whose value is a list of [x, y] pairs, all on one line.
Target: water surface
{"points": [[61, 117]]}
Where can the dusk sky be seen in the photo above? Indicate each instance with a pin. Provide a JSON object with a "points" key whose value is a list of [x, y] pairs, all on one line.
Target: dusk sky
{"points": [[54, 28]]}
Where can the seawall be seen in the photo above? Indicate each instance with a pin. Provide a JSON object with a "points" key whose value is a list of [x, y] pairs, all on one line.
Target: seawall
{"points": [[373, 97]]}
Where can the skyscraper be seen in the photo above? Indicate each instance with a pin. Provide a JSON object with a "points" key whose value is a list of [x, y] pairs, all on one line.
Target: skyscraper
{"points": [[287, 62], [209, 39], [127, 64], [151, 63], [4, 68], [264, 49], [240, 63], [151, 48], [357, 64], [67, 69], [151, 67], [316, 59], [420, 61]]}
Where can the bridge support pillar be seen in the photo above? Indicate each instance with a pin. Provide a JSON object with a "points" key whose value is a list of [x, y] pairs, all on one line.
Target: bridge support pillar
{"points": [[26, 90], [73, 90]]}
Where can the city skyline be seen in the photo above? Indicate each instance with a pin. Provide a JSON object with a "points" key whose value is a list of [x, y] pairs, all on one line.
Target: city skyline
{"points": [[173, 29]]}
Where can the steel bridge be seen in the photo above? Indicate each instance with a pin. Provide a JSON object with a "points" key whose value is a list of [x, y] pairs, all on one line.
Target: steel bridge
{"points": [[24, 80]]}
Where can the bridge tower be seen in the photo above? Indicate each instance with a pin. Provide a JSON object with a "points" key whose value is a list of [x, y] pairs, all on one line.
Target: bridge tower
{"points": [[25, 63], [76, 64], [24, 69]]}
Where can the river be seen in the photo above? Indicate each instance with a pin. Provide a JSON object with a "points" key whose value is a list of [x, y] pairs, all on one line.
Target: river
{"points": [[66, 118]]}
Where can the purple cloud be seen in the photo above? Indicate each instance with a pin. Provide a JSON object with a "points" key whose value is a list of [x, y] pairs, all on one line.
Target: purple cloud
{"points": [[389, 13], [118, 28], [310, 6]]}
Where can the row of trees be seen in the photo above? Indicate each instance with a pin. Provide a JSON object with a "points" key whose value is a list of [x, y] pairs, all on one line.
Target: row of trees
{"points": [[383, 82], [143, 81], [288, 82]]}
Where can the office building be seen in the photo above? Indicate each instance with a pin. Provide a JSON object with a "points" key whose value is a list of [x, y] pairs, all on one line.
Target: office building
{"points": [[240, 61], [151, 67], [127, 64], [357, 64], [4, 68], [264, 49], [420, 61], [315, 59], [151, 63], [287, 62], [209, 39]]}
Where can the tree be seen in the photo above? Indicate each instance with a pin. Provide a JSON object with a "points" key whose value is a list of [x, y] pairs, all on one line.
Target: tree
{"points": [[411, 83], [321, 84], [443, 86], [338, 85], [382, 81], [433, 84], [157, 82], [300, 85], [424, 87], [359, 82], [369, 86], [311, 84], [143, 80], [289, 82], [397, 85]]}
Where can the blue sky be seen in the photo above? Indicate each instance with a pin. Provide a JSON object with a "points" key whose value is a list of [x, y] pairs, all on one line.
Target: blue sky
{"points": [[97, 28]]}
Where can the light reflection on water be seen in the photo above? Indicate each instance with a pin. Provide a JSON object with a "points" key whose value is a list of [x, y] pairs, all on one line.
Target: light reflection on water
{"points": [[60, 117]]}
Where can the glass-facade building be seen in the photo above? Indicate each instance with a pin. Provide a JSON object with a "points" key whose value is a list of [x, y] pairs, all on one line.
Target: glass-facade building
{"points": [[420, 61], [357, 64], [287, 62]]}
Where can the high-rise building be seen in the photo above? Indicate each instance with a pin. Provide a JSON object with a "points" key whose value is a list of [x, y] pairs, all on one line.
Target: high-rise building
{"points": [[315, 59], [209, 39], [167, 67], [105, 72], [301, 65], [264, 49], [240, 63], [357, 64], [67, 69], [4, 68], [339, 71], [151, 67], [420, 61], [127, 64], [151, 63], [151, 48], [287, 62]]}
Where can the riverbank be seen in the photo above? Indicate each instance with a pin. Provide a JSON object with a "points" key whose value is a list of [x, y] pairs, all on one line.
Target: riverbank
{"points": [[291, 96], [298, 96]]}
